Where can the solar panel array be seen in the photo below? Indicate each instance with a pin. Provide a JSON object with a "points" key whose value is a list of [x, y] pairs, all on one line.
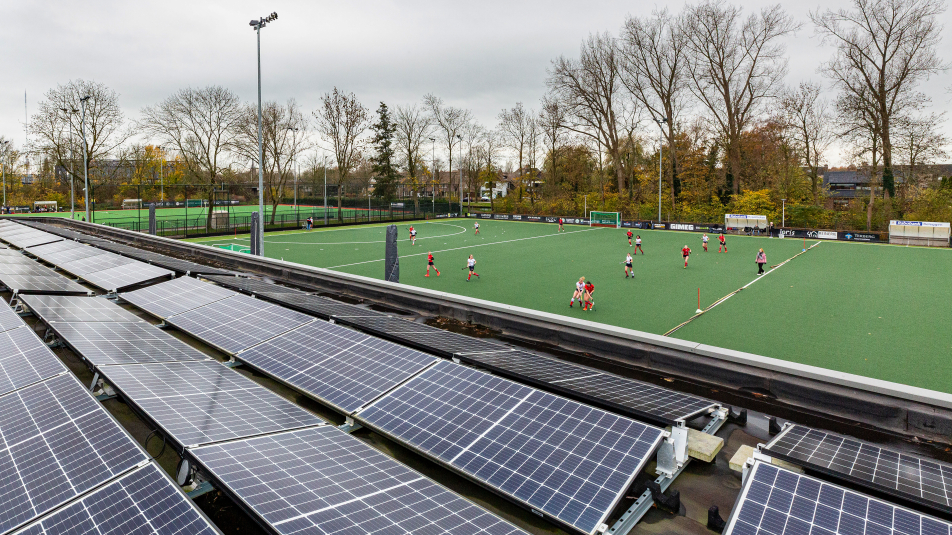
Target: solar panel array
{"points": [[321, 480], [316, 305], [566, 460], [123, 276], [779, 502], [204, 402], [340, 367], [111, 343], [251, 286], [617, 393], [25, 359], [23, 237], [56, 443], [906, 476], [9, 319], [53, 308], [176, 296], [142, 502], [91, 264], [158, 259], [238, 322], [420, 335], [55, 284]]}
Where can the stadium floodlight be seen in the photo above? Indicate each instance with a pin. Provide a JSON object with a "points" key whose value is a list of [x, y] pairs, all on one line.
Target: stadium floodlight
{"points": [[660, 121], [3, 171], [460, 138], [256, 25], [783, 218], [433, 169], [82, 103], [72, 197]]}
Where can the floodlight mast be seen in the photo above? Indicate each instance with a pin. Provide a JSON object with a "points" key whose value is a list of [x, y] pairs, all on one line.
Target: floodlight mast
{"points": [[256, 25], [82, 102], [660, 121]]}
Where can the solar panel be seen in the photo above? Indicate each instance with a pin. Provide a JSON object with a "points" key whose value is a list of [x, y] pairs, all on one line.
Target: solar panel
{"points": [[25, 359], [30, 239], [322, 480], [9, 319], [67, 255], [252, 286], [30, 268], [52, 308], [11, 253], [104, 344], [385, 324], [238, 322], [56, 443], [617, 393], [568, 461], [336, 365], [316, 305], [91, 264], [176, 296], [58, 246], [23, 284], [117, 278], [779, 502], [420, 335], [923, 481], [205, 402], [142, 502]]}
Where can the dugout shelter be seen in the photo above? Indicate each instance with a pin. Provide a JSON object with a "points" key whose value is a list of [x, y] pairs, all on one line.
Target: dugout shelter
{"points": [[744, 222], [929, 233]]}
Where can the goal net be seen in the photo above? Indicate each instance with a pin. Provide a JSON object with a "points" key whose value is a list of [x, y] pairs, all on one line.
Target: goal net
{"points": [[605, 219]]}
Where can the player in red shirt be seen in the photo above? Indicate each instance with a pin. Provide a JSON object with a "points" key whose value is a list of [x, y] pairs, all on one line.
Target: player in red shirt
{"points": [[589, 302], [629, 238], [723, 243], [561, 222], [686, 252], [429, 264]]}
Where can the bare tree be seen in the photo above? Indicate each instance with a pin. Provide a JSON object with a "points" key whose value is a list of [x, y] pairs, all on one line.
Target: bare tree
{"points": [[808, 121], [488, 151], [735, 64], [654, 70], [414, 126], [451, 121], [551, 122], [59, 115], [884, 49], [283, 139], [595, 102], [201, 124], [516, 126], [920, 141], [860, 129], [341, 120]]}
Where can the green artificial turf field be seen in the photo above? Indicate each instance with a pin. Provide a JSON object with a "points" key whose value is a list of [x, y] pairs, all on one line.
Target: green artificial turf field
{"points": [[873, 310], [127, 216]]}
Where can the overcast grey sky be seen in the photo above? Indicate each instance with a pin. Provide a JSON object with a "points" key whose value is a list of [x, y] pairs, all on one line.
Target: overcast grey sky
{"points": [[483, 55]]}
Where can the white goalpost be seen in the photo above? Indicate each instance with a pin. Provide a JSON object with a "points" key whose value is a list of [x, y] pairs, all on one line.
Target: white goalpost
{"points": [[605, 219]]}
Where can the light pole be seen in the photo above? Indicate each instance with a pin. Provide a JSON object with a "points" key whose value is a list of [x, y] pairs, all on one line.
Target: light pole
{"points": [[660, 122], [82, 127], [294, 169], [256, 25], [783, 220], [460, 138], [3, 172], [325, 189], [433, 169]]}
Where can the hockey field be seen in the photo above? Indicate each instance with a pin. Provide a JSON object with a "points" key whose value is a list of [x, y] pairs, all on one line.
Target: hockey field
{"points": [[878, 311]]}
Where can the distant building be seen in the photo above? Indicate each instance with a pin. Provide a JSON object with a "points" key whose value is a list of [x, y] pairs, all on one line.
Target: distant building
{"points": [[847, 184]]}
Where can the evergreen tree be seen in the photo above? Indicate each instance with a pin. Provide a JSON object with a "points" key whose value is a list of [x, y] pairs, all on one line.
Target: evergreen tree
{"points": [[383, 162]]}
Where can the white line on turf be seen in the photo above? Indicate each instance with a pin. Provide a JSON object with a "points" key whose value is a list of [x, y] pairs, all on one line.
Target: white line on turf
{"points": [[469, 247], [322, 231], [462, 230]]}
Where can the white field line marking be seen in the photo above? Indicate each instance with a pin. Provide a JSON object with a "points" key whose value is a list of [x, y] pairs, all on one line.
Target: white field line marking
{"points": [[298, 232], [467, 247], [462, 230]]}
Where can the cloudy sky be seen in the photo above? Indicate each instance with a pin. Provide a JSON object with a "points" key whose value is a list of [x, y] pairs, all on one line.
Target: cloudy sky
{"points": [[483, 55]]}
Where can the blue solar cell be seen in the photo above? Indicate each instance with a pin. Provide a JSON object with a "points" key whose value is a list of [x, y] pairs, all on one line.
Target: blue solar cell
{"points": [[25, 359]]}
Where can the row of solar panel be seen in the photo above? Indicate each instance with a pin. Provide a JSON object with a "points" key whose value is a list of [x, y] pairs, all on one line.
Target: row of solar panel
{"points": [[22, 275], [568, 461], [350, 485], [66, 464]]}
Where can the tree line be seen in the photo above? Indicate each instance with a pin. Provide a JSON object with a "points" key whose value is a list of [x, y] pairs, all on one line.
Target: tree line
{"points": [[700, 94]]}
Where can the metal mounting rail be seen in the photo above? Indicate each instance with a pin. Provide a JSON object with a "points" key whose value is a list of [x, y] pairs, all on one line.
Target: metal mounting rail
{"points": [[643, 504]]}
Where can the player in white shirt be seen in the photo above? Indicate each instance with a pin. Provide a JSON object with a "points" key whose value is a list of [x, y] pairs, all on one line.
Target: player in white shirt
{"points": [[579, 291], [471, 264], [412, 236], [704, 241], [628, 266], [638, 245], [476, 226]]}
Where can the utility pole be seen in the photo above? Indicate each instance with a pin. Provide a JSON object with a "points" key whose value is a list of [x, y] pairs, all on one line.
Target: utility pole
{"points": [[82, 103], [325, 189], [257, 25], [72, 198], [660, 122], [3, 172], [433, 169]]}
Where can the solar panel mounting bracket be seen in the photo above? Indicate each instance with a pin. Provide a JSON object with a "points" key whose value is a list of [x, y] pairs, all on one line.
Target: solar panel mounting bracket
{"points": [[231, 362], [673, 452], [349, 425]]}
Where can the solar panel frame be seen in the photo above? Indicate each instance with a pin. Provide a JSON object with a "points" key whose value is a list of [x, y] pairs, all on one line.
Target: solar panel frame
{"points": [[57, 246], [891, 472], [774, 500], [238, 322], [322, 480], [204, 402], [143, 501], [9, 319], [420, 335], [113, 343], [57, 285], [482, 425], [61, 443], [25, 359], [92, 264], [125, 276], [633, 398], [60, 308], [30, 268], [249, 285], [176, 296], [336, 366], [29, 240], [316, 305]]}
